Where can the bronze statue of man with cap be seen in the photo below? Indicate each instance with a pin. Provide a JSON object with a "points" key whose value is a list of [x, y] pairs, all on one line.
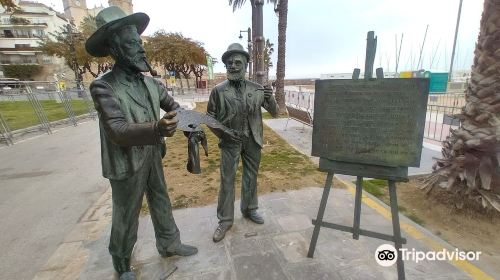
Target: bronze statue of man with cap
{"points": [[132, 144], [236, 103]]}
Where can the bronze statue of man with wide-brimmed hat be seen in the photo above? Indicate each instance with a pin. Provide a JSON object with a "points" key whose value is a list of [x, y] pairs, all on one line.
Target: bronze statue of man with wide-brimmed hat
{"points": [[236, 103], [132, 137]]}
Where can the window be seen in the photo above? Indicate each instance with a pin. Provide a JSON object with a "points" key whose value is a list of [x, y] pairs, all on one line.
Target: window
{"points": [[8, 34]]}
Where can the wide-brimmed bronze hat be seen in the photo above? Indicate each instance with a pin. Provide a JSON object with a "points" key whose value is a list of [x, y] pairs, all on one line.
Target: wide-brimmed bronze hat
{"points": [[234, 48], [108, 21]]}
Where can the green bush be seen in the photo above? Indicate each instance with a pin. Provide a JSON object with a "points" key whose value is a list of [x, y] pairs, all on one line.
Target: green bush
{"points": [[21, 71]]}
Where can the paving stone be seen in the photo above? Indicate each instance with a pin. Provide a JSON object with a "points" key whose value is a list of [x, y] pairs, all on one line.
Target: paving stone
{"points": [[197, 229], [258, 266], [274, 196], [217, 275], [316, 271], [361, 271], [293, 246], [241, 245], [211, 256], [88, 231], [99, 264], [244, 226], [63, 256], [274, 250], [278, 206], [106, 197], [98, 212], [189, 214], [155, 271], [295, 222], [47, 275]]}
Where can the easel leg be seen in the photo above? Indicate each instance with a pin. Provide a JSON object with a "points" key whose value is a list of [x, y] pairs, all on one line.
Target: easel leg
{"points": [[321, 211], [396, 229], [357, 208]]}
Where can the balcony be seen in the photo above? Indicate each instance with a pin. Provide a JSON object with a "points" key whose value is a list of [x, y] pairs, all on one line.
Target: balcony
{"points": [[10, 34], [17, 21]]}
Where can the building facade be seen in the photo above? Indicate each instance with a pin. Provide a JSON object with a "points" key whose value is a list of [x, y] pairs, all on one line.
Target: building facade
{"points": [[20, 34], [77, 10]]}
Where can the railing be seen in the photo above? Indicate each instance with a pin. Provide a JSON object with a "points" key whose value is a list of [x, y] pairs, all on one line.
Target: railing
{"points": [[440, 116], [38, 107], [300, 106]]}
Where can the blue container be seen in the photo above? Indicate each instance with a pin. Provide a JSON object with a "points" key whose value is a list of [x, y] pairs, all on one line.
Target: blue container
{"points": [[438, 81]]}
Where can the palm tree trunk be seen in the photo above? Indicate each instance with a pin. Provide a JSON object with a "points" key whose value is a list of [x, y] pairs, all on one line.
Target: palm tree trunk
{"points": [[280, 64], [254, 28], [470, 155]]}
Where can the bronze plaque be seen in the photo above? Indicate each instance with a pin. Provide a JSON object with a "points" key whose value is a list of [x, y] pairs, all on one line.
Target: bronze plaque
{"points": [[377, 122]]}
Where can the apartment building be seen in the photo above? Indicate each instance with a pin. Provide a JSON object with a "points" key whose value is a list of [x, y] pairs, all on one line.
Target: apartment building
{"points": [[20, 34]]}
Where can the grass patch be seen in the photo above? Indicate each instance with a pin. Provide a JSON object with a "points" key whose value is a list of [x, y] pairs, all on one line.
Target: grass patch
{"points": [[266, 116], [20, 114], [374, 188], [379, 189]]}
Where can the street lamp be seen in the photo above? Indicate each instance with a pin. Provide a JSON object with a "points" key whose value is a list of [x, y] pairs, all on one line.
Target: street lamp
{"points": [[249, 33]]}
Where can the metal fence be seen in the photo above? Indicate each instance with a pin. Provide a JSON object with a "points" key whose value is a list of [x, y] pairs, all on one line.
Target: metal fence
{"points": [[440, 118], [300, 100], [40, 106]]}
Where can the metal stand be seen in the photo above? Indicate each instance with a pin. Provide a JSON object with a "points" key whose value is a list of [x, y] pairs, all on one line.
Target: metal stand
{"points": [[5, 131], [355, 229], [39, 111]]}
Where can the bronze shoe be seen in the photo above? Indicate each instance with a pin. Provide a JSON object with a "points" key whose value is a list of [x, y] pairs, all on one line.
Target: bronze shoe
{"points": [[220, 232], [253, 216], [181, 250]]}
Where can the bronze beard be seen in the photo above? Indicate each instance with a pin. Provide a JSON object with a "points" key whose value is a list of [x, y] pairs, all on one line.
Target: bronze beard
{"points": [[236, 76]]}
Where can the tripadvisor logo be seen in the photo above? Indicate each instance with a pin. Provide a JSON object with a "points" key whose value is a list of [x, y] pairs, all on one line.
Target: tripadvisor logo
{"points": [[387, 255]]}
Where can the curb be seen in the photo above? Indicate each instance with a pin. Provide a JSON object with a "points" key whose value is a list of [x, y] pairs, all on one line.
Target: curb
{"points": [[418, 232]]}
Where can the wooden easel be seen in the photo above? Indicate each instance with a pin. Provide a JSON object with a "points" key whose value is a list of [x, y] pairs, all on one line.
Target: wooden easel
{"points": [[340, 167], [391, 174]]}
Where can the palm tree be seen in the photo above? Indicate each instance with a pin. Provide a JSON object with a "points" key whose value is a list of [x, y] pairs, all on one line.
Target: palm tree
{"points": [[268, 51], [238, 4], [281, 8], [470, 163]]}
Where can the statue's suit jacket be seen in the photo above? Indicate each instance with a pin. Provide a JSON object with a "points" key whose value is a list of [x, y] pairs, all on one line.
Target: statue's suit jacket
{"points": [[223, 107], [125, 122]]}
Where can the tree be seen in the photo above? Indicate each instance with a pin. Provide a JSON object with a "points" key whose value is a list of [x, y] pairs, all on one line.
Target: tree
{"points": [[268, 51], [281, 8], [68, 44], [470, 163], [9, 5], [177, 53]]}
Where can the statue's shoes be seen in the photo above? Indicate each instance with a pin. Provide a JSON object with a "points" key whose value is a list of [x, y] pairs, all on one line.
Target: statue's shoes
{"points": [[253, 216], [129, 275], [181, 250], [220, 232]]}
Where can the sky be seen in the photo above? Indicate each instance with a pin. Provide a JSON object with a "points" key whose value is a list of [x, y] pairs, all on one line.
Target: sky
{"points": [[327, 36]]}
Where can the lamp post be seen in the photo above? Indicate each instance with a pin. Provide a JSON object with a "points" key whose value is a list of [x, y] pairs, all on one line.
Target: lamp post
{"points": [[259, 43], [250, 62]]}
